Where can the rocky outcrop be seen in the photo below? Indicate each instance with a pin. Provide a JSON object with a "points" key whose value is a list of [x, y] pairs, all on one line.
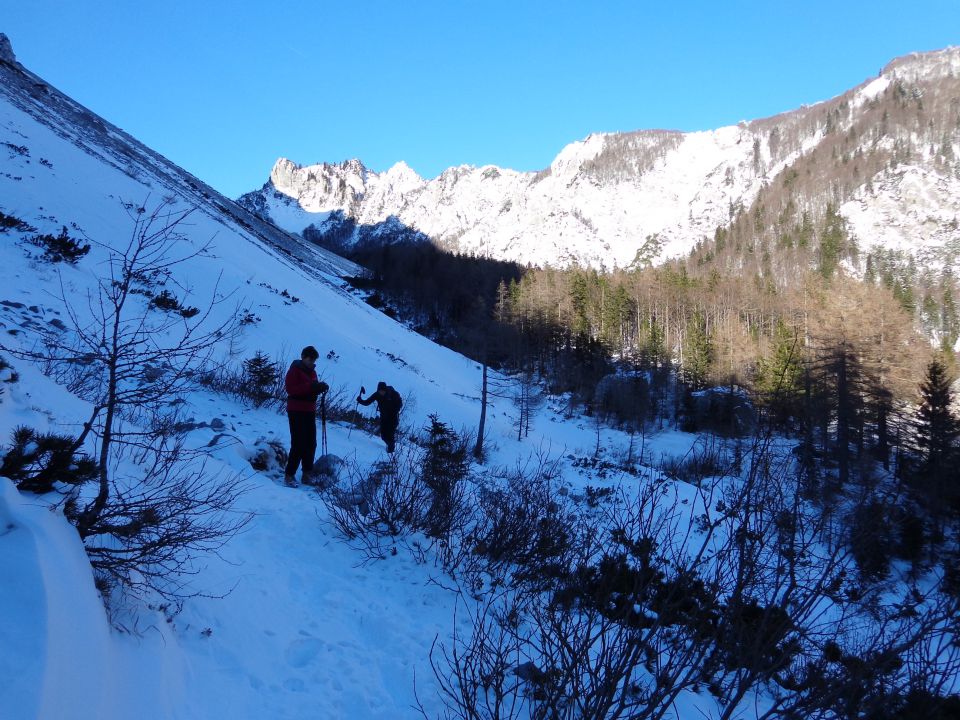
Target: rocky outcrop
{"points": [[6, 50]]}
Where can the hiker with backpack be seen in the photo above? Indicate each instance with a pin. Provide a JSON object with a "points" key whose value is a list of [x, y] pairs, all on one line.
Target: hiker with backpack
{"points": [[303, 389], [389, 403]]}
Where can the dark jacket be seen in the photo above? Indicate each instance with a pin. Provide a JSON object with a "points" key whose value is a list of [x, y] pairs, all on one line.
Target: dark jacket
{"points": [[302, 388], [388, 404]]}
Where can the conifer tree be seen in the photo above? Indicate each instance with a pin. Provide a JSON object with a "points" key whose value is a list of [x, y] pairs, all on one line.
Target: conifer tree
{"points": [[698, 353], [936, 431], [779, 379], [261, 377], [445, 465], [832, 241]]}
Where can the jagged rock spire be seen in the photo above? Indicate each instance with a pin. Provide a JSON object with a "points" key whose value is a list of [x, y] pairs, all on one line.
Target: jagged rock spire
{"points": [[6, 50]]}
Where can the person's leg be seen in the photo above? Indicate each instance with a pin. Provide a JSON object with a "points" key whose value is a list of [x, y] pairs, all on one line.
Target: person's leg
{"points": [[303, 443], [388, 431], [293, 461], [309, 451]]}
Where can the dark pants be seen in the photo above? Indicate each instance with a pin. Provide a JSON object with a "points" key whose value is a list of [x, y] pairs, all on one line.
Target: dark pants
{"points": [[303, 441], [388, 431]]}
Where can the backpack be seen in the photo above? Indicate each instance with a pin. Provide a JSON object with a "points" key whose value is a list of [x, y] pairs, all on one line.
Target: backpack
{"points": [[392, 402]]}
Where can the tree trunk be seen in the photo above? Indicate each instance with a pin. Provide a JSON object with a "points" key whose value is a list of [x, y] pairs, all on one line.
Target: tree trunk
{"points": [[478, 450]]}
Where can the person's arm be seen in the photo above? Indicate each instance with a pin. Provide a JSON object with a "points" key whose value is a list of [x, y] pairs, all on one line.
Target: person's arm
{"points": [[368, 401]]}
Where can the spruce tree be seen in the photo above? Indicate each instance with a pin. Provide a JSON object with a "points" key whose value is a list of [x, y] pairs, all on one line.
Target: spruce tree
{"points": [[832, 242], [445, 465], [261, 376], [936, 431], [779, 381], [697, 353]]}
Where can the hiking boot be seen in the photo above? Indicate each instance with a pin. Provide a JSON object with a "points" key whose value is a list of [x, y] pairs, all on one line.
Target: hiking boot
{"points": [[290, 481], [309, 478]]}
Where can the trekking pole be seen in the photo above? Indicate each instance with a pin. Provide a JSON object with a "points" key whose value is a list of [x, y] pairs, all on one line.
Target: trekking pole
{"points": [[356, 411], [323, 422]]}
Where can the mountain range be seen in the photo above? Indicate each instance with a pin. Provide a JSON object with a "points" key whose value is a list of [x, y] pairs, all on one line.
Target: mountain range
{"points": [[622, 200]]}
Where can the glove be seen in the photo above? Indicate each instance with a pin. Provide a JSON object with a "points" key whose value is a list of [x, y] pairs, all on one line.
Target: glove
{"points": [[320, 387], [359, 398]]}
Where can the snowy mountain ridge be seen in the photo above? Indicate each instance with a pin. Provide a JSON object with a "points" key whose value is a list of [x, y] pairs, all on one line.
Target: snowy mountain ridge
{"points": [[614, 200]]}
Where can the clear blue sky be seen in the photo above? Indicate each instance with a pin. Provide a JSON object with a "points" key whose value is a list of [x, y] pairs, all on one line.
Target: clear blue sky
{"points": [[225, 88]]}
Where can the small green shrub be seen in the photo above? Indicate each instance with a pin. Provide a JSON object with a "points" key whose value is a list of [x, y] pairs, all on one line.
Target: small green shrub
{"points": [[10, 222], [261, 378], [60, 248], [167, 302], [35, 461]]}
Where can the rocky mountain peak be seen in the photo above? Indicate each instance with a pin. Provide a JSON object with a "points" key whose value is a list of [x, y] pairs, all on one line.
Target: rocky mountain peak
{"points": [[6, 49]]}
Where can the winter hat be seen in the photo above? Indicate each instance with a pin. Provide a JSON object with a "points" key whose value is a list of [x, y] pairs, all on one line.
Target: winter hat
{"points": [[309, 352], [381, 385]]}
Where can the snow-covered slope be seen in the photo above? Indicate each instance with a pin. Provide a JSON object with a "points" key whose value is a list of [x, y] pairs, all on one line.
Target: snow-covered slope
{"points": [[613, 200], [304, 629]]}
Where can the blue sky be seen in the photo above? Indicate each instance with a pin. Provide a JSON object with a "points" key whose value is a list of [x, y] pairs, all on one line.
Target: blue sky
{"points": [[225, 88]]}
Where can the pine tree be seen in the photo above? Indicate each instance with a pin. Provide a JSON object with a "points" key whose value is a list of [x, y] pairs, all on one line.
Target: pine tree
{"points": [[832, 242], [779, 380], [261, 376], [698, 353], [936, 431], [445, 465]]}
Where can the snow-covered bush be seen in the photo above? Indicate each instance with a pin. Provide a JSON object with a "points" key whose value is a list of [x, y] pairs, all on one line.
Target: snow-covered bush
{"points": [[269, 456]]}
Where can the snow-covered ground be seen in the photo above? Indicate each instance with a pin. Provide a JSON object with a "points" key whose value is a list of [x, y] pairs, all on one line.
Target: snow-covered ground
{"points": [[290, 622]]}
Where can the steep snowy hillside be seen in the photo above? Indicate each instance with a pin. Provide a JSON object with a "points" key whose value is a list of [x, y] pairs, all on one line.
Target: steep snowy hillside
{"points": [[290, 621], [613, 200], [304, 632]]}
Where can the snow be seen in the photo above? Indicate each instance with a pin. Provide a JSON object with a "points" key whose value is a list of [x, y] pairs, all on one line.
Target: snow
{"points": [[911, 199], [875, 88], [557, 218], [290, 622]]}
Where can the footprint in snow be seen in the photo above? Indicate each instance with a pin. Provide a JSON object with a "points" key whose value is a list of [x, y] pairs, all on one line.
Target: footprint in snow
{"points": [[299, 653]]}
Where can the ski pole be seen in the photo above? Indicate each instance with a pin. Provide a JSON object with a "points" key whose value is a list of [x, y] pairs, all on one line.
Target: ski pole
{"points": [[323, 422], [356, 411]]}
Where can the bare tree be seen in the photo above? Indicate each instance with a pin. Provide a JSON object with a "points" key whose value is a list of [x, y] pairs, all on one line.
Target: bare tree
{"points": [[132, 349]]}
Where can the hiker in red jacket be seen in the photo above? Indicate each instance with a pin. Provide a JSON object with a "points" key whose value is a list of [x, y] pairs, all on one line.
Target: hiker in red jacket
{"points": [[303, 388]]}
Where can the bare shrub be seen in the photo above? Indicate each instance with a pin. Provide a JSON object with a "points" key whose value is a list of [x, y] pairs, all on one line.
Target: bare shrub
{"points": [[524, 530], [379, 501], [159, 519], [743, 589], [143, 528]]}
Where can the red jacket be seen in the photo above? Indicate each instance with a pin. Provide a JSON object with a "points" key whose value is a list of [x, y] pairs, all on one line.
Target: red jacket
{"points": [[302, 388]]}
